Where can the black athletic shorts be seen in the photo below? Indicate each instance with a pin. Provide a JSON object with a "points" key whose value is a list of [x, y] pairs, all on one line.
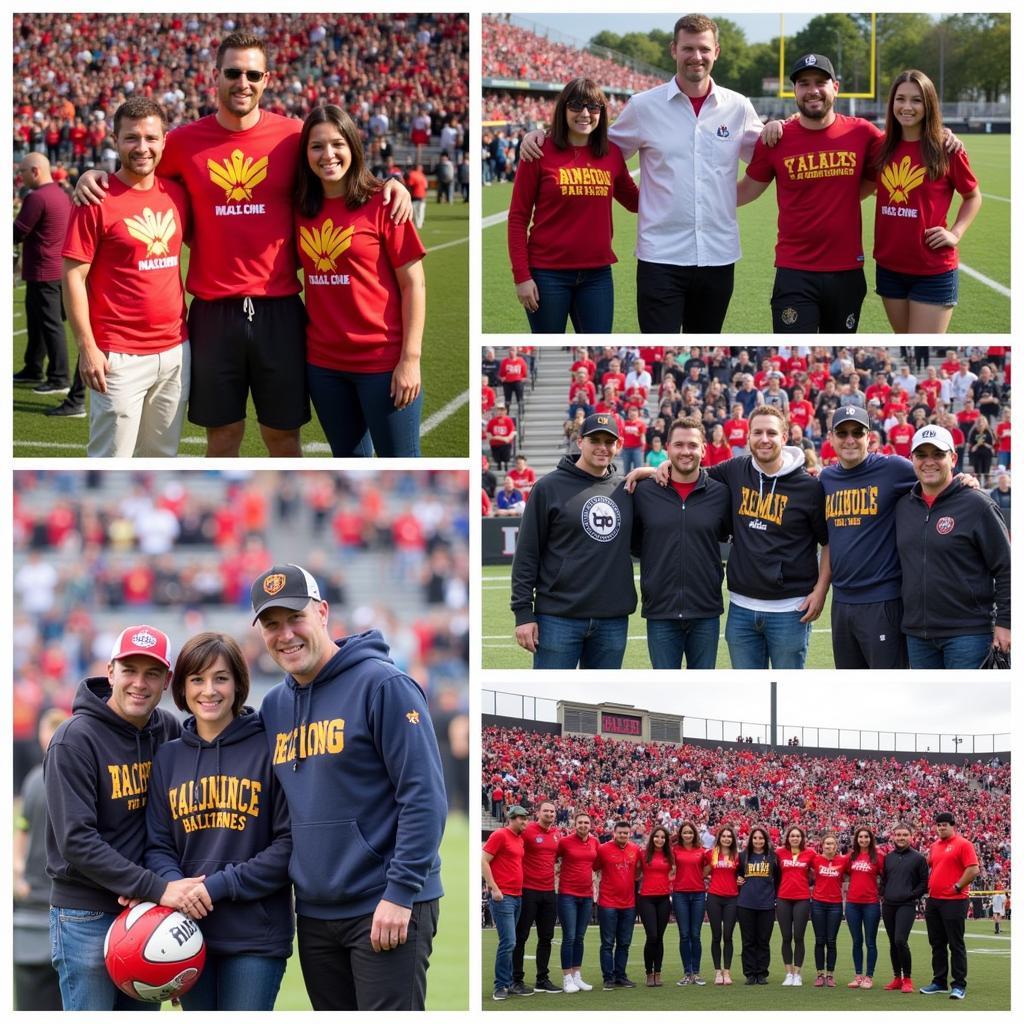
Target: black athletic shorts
{"points": [[245, 344], [813, 301]]}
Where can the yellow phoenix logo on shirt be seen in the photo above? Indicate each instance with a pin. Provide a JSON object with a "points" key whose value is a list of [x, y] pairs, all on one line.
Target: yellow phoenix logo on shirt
{"points": [[238, 175], [902, 179], [323, 245], [155, 229]]}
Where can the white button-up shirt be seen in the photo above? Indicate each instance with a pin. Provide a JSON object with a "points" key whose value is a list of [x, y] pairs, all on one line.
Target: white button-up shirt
{"points": [[688, 171]]}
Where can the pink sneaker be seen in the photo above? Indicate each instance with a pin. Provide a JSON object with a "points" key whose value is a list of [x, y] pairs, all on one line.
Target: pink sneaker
{"points": [[830, 982], [856, 982], [866, 982], [819, 981]]}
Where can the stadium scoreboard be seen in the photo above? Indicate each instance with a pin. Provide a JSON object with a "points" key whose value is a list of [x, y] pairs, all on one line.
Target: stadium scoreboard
{"points": [[619, 721]]}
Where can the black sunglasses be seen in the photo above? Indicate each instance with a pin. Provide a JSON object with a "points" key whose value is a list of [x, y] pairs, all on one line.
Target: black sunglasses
{"points": [[576, 106], [233, 74]]}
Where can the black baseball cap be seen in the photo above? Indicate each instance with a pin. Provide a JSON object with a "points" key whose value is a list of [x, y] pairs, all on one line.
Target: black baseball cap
{"points": [[850, 414], [813, 62], [600, 423], [283, 586]]}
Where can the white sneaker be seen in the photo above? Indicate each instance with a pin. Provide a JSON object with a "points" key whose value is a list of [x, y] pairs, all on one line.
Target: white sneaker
{"points": [[580, 983], [568, 985], [797, 980], [788, 980]]}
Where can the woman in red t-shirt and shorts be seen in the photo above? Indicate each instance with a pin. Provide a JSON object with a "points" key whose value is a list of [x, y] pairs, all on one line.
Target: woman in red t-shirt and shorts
{"points": [[365, 296], [915, 253]]}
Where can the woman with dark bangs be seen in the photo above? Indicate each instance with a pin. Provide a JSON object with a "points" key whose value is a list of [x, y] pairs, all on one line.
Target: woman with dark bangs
{"points": [[863, 910], [560, 218], [915, 253], [365, 296], [653, 902]]}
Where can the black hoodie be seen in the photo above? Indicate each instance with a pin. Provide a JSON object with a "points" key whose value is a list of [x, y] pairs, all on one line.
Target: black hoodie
{"points": [[904, 876], [216, 809], [97, 771], [572, 554]]}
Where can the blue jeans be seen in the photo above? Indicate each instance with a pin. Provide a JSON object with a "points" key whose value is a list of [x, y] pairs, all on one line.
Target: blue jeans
{"points": [[590, 643], [573, 916], [689, 910], [236, 982], [359, 416], [631, 458], [949, 652], [669, 639], [586, 297], [862, 920], [616, 935], [505, 915], [76, 948], [757, 638], [825, 920]]}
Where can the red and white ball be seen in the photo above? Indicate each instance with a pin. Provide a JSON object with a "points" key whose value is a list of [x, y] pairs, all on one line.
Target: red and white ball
{"points": [[154, 953]]}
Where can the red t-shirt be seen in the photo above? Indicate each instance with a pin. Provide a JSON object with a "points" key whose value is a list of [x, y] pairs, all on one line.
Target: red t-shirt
{"points": [[966, 418], [828, 878], [133, 242], [576, 874], [353, 302], [716, 453], [801, 413], [241, 186], [634, 434], [540, 845], [908, 202], [689, 869], [618, 379], [584, 392], [684, 490], [722, 880], [900, 437], [1003, 433], [946, 863], [932, 388], [655, 881], [864, 875], [486, 398], [500, 429], [507, 867], [584, 364], [817, 176], [523, 480], [512, 370], [736, 432], [619, 867], [568, 193], [794, 883]]}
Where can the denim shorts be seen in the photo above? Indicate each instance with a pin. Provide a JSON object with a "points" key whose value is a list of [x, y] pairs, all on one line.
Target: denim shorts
{"points": [[931, 289]]}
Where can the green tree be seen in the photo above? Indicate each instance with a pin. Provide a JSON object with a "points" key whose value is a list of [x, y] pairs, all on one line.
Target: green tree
{"points": [[843, 41]]}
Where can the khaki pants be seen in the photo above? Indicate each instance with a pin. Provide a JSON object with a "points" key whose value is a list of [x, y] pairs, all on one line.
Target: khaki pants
{"points": [[143, 409]]}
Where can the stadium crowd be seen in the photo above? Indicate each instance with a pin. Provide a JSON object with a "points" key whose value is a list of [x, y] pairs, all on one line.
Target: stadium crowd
{"points": [[71, 71], [182, 552], [651, 784], [966, 390]]}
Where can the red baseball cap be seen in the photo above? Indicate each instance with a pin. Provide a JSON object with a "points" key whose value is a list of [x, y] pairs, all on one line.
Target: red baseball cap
{"points": [[147, 640]]}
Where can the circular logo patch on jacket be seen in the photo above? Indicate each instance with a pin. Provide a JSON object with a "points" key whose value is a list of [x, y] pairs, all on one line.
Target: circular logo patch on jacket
{"points": [[945, 525], [601, 519]]}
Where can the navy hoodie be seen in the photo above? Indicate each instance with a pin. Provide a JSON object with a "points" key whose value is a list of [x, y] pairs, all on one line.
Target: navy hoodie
{"points": [[355, 753], [96, 771], [216, 809]]}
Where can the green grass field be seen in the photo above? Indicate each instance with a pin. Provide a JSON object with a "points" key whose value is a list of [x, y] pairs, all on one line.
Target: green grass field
{"points": [[445, 425], [985, 249], [448, 977], [500, 649], [988, 978]]}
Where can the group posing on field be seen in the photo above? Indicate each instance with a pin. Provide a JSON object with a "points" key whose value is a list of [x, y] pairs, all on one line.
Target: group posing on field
{"points": [[533, 872], [690, 135]]}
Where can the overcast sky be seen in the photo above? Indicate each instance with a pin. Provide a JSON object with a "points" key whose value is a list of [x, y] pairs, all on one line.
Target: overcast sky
{"points": [[846, 700]]}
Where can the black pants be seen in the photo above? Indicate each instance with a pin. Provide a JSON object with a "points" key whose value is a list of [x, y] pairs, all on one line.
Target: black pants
{"points": [[36, 987], [44, 320], [756, 934], [671, 299], [868, 635], [945, 920], [341, 971], [722, 918], [793, 916], [513, 389], [540, 906], [809, 302], [898, 920], [654, 912]]}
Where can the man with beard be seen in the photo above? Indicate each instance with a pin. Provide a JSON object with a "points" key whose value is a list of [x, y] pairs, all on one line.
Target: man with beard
{"points": [[676, 534]]}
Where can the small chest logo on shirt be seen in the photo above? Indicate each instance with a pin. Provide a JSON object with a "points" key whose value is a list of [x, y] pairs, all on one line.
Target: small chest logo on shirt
{"points": [[723, 131], [238, 175], [601, 519], [323, 245], [945, 525], [155, 231]]}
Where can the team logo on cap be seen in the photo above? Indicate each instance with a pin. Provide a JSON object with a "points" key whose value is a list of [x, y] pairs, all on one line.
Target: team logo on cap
{"points": [[154, 229], [323, 245], [850, 410], [928, 433], [603, 420], [143, 639], [810, 60], [238, 175], [273, 583], [601, 519], [789, 316], [945, 525], [414, 717]]}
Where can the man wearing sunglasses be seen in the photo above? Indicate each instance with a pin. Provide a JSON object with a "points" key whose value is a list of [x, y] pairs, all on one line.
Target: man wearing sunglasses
{"points": [[246, 322]]}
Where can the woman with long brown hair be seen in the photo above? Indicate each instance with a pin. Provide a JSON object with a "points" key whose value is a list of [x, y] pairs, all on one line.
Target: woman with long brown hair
{"points": [[653, 903]]}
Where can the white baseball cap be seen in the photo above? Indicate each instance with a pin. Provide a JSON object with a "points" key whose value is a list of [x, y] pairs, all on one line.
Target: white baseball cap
{"points": [[938, 436]]}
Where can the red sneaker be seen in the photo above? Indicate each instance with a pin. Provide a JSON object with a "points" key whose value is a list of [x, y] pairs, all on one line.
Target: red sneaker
{"points": [[896, 985], [908, 985]]}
